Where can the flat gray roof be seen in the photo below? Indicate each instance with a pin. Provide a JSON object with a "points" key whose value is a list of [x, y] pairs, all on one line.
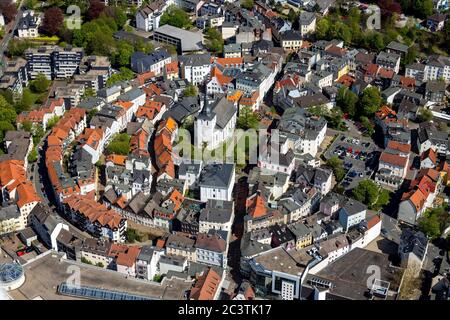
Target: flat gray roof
{"points": [[190, 41], [45, 274]]}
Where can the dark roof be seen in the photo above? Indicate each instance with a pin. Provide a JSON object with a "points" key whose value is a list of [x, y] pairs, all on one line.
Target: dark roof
{"points": [[413, 242], [180, 242], [195, 59], [438, 17], [223, 109], [348, 275], [141, 62], [291, 35], [183, 108], [397, 46], [317, 99], [299, 230], [27, 22], [217, 175], [306, 17], [217, 211], [250, 248], [9, 212], [352, 207], [146, 253], [185, 167], [435, 86]]}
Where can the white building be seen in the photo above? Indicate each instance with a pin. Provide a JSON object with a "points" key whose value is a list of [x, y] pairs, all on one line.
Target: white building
{"points": [[390, 61], [217, 215], [148, 17], [352, 213], [147, 262], [2, 20], [190, 172], [154, 62], [195, 67], [307, 22], [215, 124], [28, 25], [217, 182], [211, 249]]}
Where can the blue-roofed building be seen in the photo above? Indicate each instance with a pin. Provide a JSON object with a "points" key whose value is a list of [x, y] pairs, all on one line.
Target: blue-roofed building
{"points": [[154, 62]]}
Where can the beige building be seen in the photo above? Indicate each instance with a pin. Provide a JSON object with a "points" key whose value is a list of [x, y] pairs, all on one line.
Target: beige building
{"points": [[181, 246], [10, 219], [307, 23], [302, 234]]}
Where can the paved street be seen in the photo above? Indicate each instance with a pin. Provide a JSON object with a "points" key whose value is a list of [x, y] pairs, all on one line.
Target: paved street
{"points": [[9, 34]]}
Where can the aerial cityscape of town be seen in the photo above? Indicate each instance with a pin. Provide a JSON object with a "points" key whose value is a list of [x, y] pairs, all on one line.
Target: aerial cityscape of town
{"points": [[224, 150]]}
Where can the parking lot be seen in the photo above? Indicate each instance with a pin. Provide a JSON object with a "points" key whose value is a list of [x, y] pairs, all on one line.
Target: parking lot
{"points": [[13, 249], [358, 156]]}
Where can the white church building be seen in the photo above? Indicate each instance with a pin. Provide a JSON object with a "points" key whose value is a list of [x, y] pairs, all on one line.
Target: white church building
{"points": [[215, 123]]}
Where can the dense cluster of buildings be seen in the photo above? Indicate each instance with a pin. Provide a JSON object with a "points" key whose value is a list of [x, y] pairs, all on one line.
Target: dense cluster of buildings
{"points": [[301, 232]]}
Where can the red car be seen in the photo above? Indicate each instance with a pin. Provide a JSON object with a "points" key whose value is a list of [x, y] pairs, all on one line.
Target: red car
{"points": [[20, 253]]}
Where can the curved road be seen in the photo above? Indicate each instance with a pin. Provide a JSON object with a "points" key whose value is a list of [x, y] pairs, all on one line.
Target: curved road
{"points": [[9, 34]]}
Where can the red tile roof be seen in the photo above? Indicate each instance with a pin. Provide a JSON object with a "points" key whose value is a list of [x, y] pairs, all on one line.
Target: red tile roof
{"points": [[94, 211], [431, 154], [206, 286], [395, 145], [128, 258], [394, 159]]}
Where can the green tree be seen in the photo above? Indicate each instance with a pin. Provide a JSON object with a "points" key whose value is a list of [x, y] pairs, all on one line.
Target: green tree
{"points": [[369, 193], [346, 100], [214, 40], [322, 28], [84, 260], [336, 165], [375, 41], [145, 47], [31, 4], [423, 8], [124, 74], [38, 134], [190, 91], [370, 102], [40, 84], [122, 57], [89, 92], [366, 123], [132, 235], [7, 112], [91, 114], [247, 4], [176, 17], [33, 156], [118, 14], [366, 191], [27, 126], [52, 121], [120, 144], [5, 126], [429, 225], [435, 221], [425, 115], [158, 278], [341, 31], [247, 119], [28, 99], [411, 56], [334, 118], [16, 48]]}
